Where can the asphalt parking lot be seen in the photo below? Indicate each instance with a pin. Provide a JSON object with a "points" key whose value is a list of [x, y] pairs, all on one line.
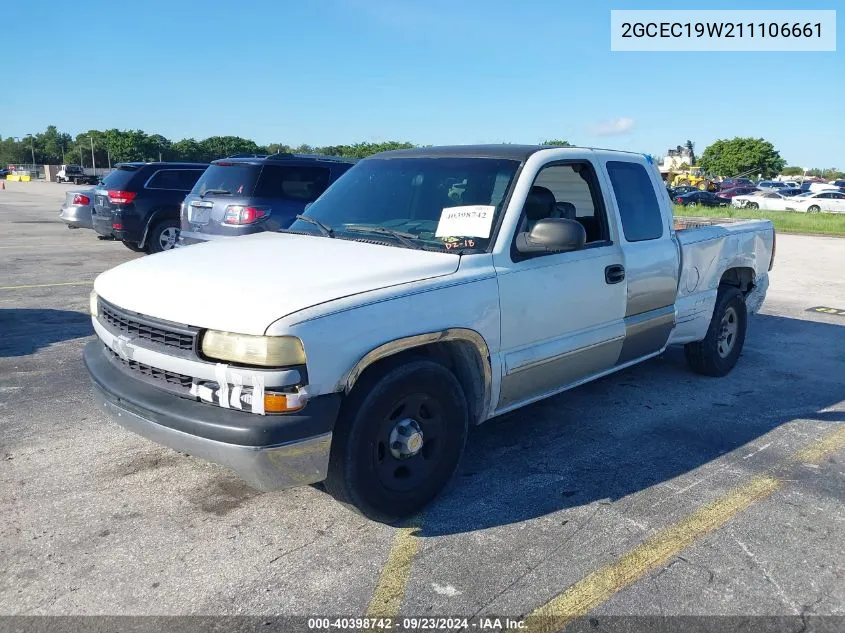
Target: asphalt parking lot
{"points": [[650, 492]]}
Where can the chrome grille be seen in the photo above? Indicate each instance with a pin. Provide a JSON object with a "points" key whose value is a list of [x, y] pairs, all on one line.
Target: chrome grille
{"points": [[169, 377], [148, 331]]}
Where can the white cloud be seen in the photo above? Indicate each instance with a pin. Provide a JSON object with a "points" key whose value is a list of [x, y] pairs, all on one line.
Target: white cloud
{"points": [[612, 127]]}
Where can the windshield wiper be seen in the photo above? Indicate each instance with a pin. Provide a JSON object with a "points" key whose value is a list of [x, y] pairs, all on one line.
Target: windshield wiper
{"points": [[219, 191], [405, 238], [325, 229]]}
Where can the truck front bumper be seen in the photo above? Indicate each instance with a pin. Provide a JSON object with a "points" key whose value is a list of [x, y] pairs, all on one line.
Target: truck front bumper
{"points": [[297, 452]]}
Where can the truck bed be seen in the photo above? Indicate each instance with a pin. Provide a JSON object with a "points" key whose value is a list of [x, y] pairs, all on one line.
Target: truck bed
{"points": [[707, 251]]}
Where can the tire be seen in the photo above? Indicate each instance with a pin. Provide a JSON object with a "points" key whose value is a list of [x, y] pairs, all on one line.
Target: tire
{"points": [[133, 247], [717, 354], [384, 479], [162, 237], [752, 205], [814, 209], [683, 183]]}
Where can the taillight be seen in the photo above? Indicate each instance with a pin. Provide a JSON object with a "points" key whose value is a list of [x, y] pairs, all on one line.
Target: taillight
{"points": [[121, 197], [679, 200], [238, 215], [80, 199], [117, 226]]}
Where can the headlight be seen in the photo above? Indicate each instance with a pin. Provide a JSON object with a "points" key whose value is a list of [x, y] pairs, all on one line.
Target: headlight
{"points": [[94, 304], [267, 351]]}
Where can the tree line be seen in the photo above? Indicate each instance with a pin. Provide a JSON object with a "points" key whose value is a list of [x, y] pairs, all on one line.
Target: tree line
{"points": [[724, 157], [109, 147], [53, 147]]}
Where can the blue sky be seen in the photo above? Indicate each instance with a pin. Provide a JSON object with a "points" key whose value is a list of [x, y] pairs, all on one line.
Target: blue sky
{"points": [[433, 72]]}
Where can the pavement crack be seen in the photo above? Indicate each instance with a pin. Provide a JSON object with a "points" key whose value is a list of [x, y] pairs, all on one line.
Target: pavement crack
{"points": [[295, 549], [758, 564], [531, 568]]}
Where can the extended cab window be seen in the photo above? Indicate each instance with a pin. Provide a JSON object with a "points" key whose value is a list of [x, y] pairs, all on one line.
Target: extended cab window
{"points": [[576, 197], [293, 183], [637, 202]]}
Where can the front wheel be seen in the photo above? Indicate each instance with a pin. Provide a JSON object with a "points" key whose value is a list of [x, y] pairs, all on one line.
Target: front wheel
{"points": [[163, 236], [752, 205], [814, 209], [719, 351], [398, 440]]}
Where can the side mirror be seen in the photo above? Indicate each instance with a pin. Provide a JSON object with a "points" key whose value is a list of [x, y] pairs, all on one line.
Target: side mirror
{"points": [[552, 235]]}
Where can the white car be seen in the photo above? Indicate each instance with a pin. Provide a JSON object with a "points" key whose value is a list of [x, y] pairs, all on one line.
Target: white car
{"points": [[357, 346], [830, 201], [766, 200]]}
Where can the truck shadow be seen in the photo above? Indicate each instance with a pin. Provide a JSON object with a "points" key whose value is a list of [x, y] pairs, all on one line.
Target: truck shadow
{"points": [[641, 427], [26, 330]]}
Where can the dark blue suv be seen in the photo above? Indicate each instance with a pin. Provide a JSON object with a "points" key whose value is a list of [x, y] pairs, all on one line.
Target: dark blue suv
{"points": [[248, 194]]}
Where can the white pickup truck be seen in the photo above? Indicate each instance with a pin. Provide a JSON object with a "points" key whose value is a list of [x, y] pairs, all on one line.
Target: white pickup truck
{"points": [[425, 291]]}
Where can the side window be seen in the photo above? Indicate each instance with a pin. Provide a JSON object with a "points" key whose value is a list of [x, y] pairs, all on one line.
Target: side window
{"points": [[638, 206], [293, 183], [188, 178], [569, 191], [165, 179]]}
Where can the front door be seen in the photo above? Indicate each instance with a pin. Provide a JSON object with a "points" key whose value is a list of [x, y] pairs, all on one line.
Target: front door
{"points": [[563, 314]]}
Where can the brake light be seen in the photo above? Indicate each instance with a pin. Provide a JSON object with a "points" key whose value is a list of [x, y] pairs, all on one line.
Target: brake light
{"points": [[117, 226], [80, 199], [679, 200], [121, 197], [239, 215]]}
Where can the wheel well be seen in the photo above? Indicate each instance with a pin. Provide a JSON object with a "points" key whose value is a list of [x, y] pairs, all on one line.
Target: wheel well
{"points": [[157, 215], [740, 277], [460, 357]]}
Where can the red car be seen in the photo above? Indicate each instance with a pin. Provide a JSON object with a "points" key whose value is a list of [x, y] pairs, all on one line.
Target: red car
{"points": [[727, 194]]}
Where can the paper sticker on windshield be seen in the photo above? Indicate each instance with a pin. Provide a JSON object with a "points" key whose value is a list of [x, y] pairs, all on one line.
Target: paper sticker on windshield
{"points": [[470, 221]]}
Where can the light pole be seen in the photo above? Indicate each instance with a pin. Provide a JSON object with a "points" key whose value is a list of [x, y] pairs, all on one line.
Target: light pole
{"points": [[93, 162], [32, 147]]}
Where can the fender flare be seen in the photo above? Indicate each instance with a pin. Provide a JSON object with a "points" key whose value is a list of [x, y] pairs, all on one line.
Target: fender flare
{"points": [[154, 217], [410, 342]]}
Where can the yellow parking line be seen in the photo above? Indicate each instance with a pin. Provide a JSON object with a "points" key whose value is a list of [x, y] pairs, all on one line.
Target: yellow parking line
{"points": [[816, 452], [601, 585], [390, 590], [64, 283]]}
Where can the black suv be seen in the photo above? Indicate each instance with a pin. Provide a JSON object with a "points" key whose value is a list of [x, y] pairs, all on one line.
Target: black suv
{"points": [[248, 194], [138, 203]]}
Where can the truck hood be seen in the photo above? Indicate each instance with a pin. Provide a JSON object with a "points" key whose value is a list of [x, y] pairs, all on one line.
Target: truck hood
{"points": [[243, 284]]}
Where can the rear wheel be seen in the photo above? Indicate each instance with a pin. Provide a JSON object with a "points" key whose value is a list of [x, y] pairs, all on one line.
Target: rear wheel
{"points": [[398, 440], [717, 354], [163, 236], [814, 209]]}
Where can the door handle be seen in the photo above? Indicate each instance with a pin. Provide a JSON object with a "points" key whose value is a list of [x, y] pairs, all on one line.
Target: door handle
{"points": [[614, 274]]}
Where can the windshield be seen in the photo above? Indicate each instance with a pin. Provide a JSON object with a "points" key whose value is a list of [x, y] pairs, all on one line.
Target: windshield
{"points": [[448, 204], [228, 178]]}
